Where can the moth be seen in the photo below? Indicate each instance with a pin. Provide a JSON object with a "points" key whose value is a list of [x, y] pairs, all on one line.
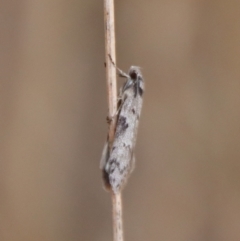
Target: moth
{"points": [[118, 159]]}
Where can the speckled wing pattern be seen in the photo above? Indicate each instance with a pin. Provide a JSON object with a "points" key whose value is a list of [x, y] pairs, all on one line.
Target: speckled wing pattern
{"points": [[118, 161]]}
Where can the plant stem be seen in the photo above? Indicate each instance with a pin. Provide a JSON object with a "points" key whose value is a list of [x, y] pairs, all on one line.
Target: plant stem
{"points": [[110, 68], [117, 217], [110, 50]]}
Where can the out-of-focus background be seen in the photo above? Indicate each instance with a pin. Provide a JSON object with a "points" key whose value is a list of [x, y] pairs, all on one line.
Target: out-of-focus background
{"points": [[53, 108]]}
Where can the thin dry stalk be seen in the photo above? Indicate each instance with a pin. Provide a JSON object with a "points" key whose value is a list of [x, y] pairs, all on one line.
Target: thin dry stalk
{"points": [[112, 105], [117, 217]]}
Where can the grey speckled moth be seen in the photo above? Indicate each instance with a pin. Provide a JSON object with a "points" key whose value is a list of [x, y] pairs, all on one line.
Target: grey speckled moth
{"points": [[118, 160]]}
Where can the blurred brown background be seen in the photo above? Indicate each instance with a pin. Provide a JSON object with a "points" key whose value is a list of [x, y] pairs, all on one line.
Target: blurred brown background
{"points": [[53, 106]]}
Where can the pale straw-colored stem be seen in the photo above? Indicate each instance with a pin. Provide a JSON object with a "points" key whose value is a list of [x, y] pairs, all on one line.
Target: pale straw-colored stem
{"points": [[110, 58], [117, 217]]}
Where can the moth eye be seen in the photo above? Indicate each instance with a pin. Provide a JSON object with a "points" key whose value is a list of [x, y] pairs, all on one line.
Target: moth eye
{"points": [[133, 75]]}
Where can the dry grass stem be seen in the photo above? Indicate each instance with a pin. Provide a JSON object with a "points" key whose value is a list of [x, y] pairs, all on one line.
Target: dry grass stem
{"points": [[109, 22]]}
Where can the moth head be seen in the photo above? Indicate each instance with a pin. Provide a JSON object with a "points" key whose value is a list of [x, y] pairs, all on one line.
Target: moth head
{"points": [[134, 79], [135, 73]]}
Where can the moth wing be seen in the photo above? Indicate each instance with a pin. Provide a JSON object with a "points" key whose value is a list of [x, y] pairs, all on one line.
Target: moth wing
{"points": [[119, 166], [133, 162], [122, 159], [105, 155]]}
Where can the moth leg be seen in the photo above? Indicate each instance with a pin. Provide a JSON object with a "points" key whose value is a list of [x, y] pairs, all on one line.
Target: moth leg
{"points": [[120, 72], [119, 106], [111, 118]]}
